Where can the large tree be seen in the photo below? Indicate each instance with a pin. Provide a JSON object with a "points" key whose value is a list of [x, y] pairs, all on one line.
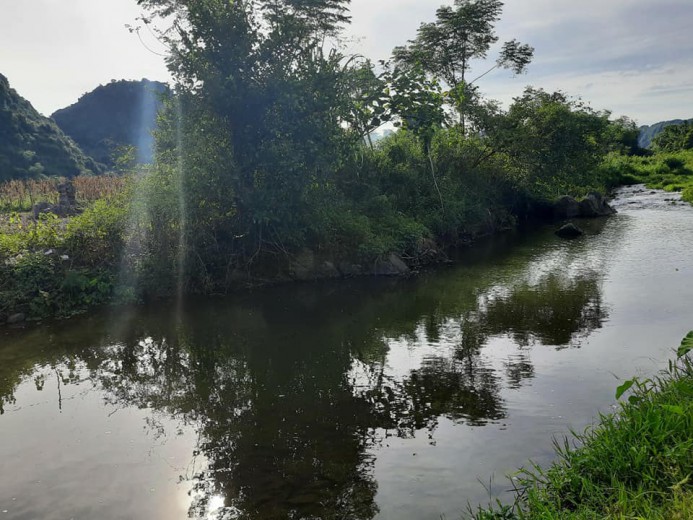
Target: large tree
{"points": [[267, 74], [556, 143], [447, 47]]}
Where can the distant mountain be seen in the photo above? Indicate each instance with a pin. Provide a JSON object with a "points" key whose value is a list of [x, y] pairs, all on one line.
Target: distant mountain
{"points": [[119, 114], [32, 145], [648, 133]]}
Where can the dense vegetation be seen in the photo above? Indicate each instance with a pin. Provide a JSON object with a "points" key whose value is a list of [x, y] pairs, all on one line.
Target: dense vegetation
{"points": [[667, 166], [269, 156], [264, 155], [115, 120], [648, 133], [636, 463], [264, 158], [32, 145]]}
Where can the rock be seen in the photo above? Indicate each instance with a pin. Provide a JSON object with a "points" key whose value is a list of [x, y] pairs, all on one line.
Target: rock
{"points": [[348, 269], [67, 202], [429, 252], [566, 207], [66, 206], [327, 270], [40, 208], [303, 265], [16, 318], [392, 266], [569, 231], [594, 205]]}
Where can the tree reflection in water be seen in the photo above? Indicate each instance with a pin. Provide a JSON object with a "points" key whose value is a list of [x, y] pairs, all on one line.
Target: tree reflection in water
{"points": [[291, 391]]}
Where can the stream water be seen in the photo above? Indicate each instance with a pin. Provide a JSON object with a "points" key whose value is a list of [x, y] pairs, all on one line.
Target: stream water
{"points": [[386, 399]]}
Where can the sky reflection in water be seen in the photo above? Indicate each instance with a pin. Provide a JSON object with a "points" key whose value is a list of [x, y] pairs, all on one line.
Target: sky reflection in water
{"points": [[358, 399]]}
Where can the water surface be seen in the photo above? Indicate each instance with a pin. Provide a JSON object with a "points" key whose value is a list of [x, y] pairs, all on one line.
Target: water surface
{"points": [[360, 399]]}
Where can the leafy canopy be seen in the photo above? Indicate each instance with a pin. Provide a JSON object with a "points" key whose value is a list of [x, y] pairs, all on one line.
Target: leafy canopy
{"points": [[674, 138], [461, 34], [447, 47]]}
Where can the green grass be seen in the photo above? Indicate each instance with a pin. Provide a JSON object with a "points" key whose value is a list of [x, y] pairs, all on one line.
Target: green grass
{"points": [[664, 171], [60, 267], [634, 464]]}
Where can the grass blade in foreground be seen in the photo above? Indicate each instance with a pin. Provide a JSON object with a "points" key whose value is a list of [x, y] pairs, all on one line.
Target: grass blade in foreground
{"points": [[635, 464]]}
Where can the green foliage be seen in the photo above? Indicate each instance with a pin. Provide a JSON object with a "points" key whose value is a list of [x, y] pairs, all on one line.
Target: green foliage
{"points": [[446, 48], [416, 102], [261, 153], [32, 145], [665, 171], [633, 464], [686, 345], [622, 137], [556, 143], [674, 138], [459, 35], [53, 268]]}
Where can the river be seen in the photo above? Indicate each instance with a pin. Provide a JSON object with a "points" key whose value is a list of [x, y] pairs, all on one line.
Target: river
{"points": [[385, 399]]}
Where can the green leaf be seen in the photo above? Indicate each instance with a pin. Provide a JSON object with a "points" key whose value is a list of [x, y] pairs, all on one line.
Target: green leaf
{"points": [[624, 388], [634, 399], [686, 345], [678, 410]]}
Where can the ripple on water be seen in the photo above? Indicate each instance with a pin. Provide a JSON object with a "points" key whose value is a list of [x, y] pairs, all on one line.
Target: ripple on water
{"points": [[360, 399]]}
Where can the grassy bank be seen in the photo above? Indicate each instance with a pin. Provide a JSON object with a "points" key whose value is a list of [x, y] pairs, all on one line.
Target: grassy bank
{"points": [[58, 267], [664, 171], [634, 464]]}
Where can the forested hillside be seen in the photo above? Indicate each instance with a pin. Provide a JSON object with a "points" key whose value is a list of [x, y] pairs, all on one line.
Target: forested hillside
{"points": [[114, 117], [32, 145], [648, 133]]}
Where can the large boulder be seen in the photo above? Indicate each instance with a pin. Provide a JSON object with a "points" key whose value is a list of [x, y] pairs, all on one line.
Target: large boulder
{"points": [[66, 206], [306, 266], [594, 205], [303, 265], [393, 265], [16, 318], [566, 207], [569, 231], [327, 269], [41, 208], [349, 269]]}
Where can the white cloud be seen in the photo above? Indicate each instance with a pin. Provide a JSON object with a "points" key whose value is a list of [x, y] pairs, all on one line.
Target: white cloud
{"points": [[634, 57]]}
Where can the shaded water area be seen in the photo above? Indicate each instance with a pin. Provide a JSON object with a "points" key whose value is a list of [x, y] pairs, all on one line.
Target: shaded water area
{"points": [[359, 399]]}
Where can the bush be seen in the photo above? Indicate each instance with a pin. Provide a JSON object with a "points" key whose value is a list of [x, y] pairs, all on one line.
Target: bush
{"points": [[674, 163], [54, 267]]}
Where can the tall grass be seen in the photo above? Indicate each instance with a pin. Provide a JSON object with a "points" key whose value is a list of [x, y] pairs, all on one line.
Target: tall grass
{"points": [[21, 195], [635, 464], [664, 171]]}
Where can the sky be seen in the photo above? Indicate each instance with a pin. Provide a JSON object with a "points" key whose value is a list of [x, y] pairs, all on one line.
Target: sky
{"points": [[632, 57]]}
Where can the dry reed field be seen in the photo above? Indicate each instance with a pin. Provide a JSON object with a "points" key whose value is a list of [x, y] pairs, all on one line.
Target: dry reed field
{"points": [[21, 195]]}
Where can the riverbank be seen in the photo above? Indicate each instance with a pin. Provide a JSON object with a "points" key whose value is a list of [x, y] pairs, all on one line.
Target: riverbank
{"points": [[634, 463], [672, 172], [55, 267], [311, 399]]}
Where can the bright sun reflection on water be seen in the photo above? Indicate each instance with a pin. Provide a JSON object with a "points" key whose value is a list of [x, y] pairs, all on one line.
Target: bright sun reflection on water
{"points": [[215, 504]]}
